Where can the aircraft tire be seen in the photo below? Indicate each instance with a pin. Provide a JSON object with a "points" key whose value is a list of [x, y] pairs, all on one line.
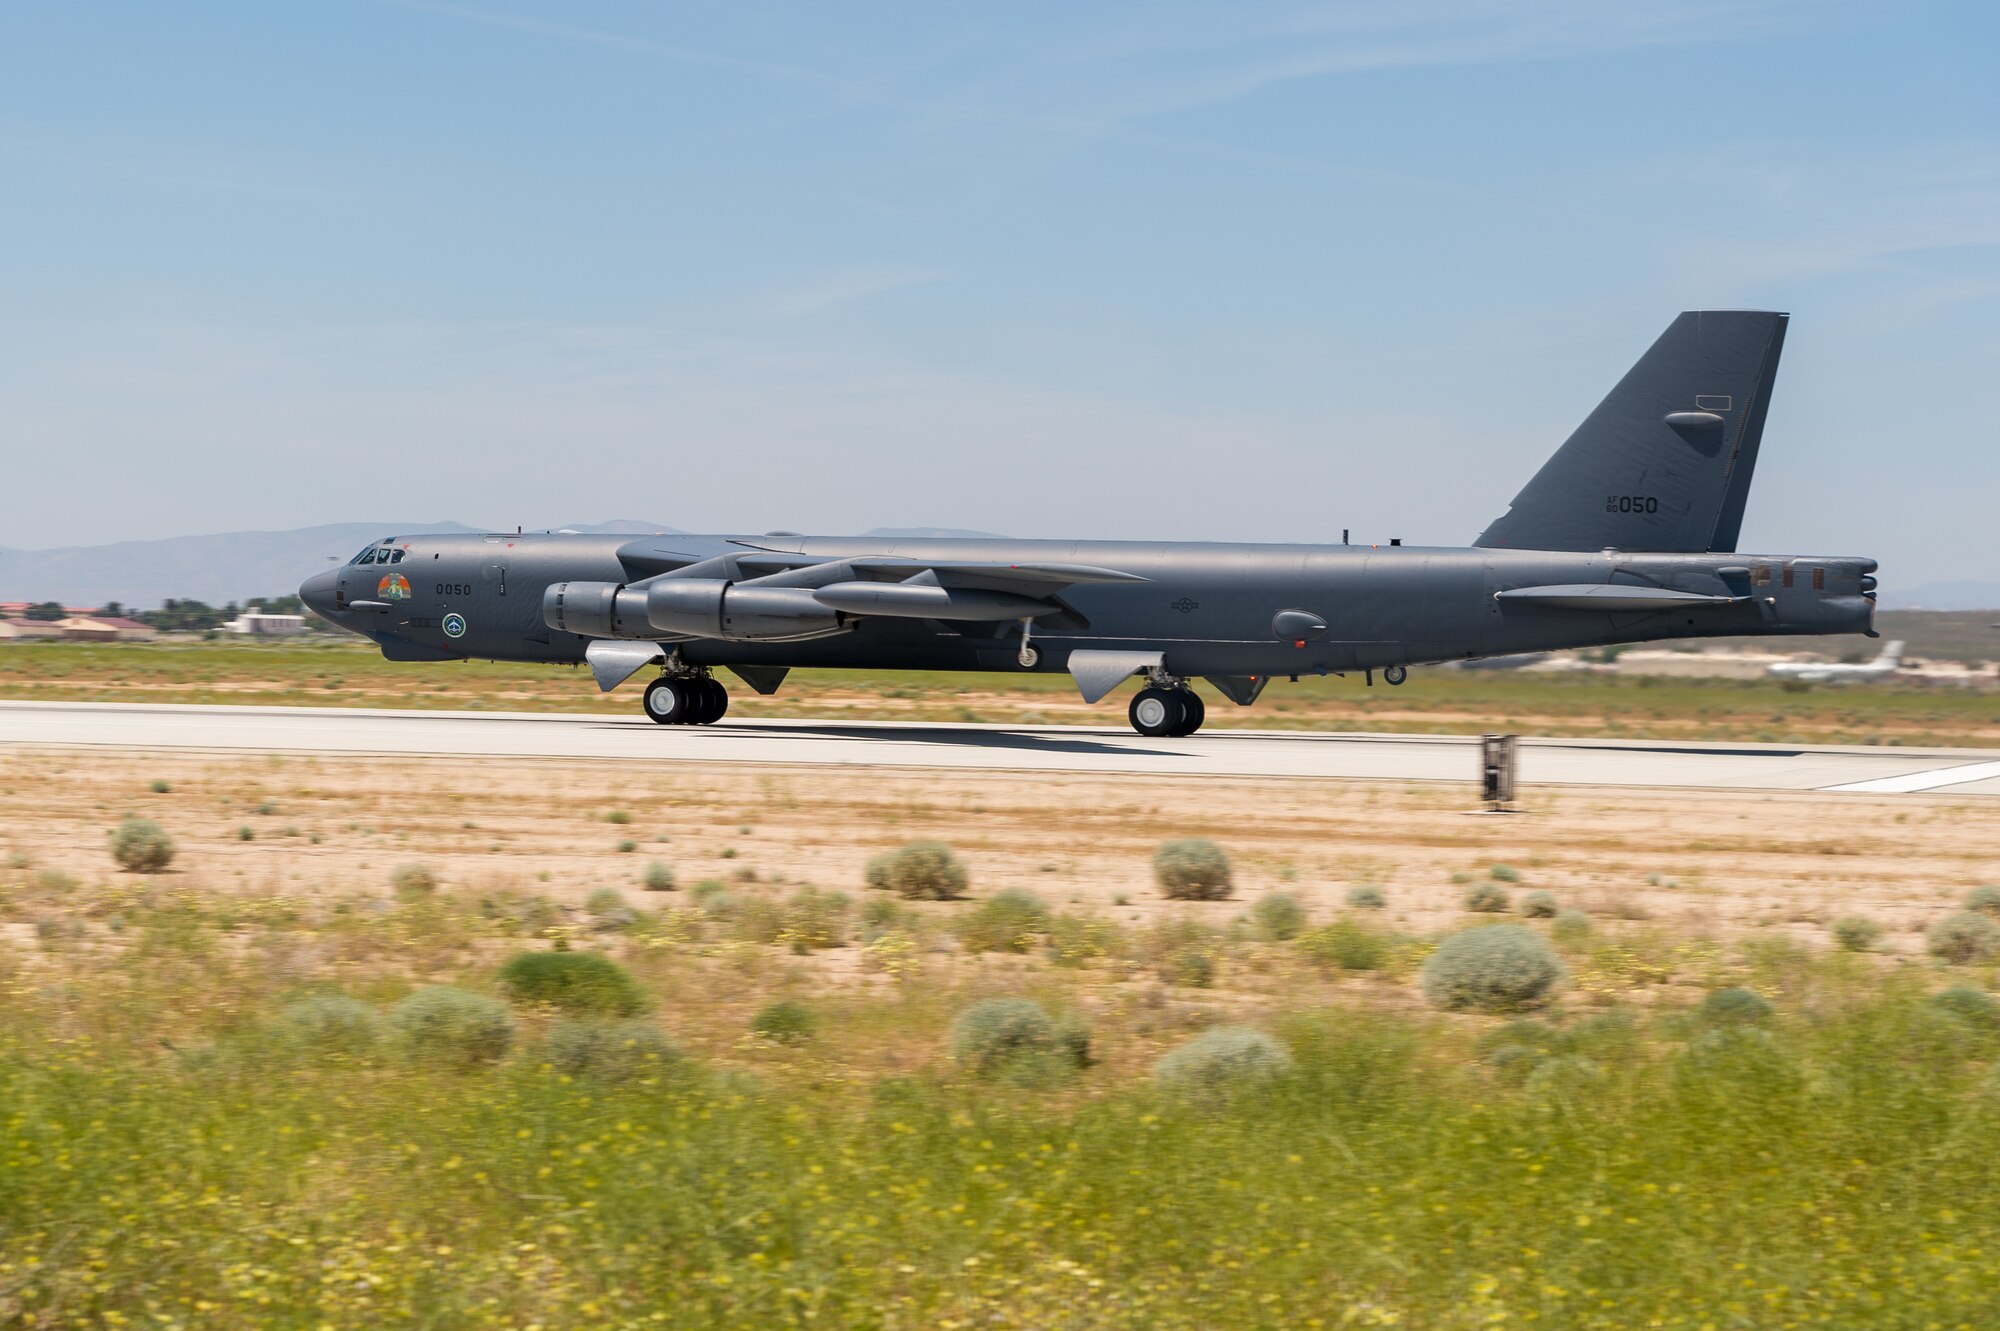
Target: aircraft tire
{"points": [[668, 702], [1395, 674], [1193, 712], [1157, 711], [707, 701]]}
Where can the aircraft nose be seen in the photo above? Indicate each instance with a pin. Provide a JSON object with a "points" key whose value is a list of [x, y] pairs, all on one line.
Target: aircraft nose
{"points": [[317, 592]]}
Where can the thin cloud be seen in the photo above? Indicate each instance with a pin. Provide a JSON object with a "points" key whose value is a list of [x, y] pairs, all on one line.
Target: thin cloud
{"points": [[854, 92], [687, 55], [845, 287], [1228, 60]]}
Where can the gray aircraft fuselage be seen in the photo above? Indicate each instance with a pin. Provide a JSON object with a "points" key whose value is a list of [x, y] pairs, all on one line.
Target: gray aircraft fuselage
{"points": [[1627, 534], [1209, 607]]}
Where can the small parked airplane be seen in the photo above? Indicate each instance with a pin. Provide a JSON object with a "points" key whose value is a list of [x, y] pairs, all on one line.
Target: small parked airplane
{"points": [[1830, 672]]}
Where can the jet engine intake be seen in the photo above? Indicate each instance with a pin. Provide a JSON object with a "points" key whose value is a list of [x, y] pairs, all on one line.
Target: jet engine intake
{"points": [[596, 610], [737, 612]]}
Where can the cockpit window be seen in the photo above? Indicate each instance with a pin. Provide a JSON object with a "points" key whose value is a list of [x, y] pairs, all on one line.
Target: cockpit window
{"points": [[367, 556], [378, 554]]}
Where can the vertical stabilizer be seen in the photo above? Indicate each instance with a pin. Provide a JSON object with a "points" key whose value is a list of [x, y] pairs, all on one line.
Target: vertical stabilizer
{"points": [[1665, 461]]}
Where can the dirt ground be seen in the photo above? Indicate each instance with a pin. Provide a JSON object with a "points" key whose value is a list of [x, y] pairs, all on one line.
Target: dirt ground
{"points": [[1703, 864]]}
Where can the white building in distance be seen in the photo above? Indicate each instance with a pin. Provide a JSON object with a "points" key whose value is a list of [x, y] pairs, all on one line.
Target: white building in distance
{"points": [[265, 625]]}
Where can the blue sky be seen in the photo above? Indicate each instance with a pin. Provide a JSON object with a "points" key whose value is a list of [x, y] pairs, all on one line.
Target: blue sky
{"points": [[1235, 272]]}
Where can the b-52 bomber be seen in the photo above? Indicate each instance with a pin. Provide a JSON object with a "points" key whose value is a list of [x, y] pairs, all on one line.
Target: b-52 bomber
{"points": [[1627, 534]]}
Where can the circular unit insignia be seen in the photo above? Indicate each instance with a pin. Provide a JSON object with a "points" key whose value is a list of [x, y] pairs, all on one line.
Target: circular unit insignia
{"points": [[454, 625]]}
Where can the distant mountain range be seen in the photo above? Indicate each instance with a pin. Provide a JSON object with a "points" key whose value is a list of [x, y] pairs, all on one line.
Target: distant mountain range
{"points": [[231, 566], [235, 566]]}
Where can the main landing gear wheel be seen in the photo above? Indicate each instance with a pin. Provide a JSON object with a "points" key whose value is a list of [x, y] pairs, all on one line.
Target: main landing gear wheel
{"points": [[667, 701], [686, 701], [1395, 674], [1156, 711], [1193, 712], [711, 703], [1168, 712]]}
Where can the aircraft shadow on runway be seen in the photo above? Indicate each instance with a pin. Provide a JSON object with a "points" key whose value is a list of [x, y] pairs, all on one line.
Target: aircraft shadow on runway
{"points": [[1696, 750], [1025, 741]]}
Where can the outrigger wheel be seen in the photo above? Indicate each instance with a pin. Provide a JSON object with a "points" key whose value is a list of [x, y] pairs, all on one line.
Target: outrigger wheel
{"points": [[1168, 712]]}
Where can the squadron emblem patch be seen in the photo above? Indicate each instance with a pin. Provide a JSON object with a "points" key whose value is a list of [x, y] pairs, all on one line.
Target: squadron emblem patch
{"points": [[393, 587], [454, 626]]}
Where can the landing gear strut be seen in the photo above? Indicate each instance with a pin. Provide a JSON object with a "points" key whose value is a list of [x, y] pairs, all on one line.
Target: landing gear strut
{"points": [[1028, 657], [686, 700], [1172, 712]]}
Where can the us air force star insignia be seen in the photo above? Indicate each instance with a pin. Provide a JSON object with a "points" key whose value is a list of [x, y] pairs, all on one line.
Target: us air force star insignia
{"points": [[1184, 605], [454, 626]]}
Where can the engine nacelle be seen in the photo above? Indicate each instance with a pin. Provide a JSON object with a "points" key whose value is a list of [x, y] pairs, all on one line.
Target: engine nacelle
{"points": [[714, 608], [596, 610]]}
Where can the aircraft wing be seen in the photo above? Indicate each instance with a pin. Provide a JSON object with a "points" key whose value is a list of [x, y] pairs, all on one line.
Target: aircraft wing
{"points": [[960, 589], [990, 575], [818, 593]]}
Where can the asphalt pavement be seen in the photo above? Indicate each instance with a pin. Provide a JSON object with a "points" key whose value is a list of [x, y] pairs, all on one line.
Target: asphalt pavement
{"points": [[1055, 749]]}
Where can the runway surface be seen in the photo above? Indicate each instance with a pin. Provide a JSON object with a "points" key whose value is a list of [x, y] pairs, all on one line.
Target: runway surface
{"points": [[1053, 749]]}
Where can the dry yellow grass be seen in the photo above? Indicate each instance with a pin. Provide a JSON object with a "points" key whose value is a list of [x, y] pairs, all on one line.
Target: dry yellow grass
{"points": [[175, 1145], [1703, 862]]}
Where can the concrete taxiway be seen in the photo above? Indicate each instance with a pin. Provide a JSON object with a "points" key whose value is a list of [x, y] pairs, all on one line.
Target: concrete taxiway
{"points": [[1053, 749]]}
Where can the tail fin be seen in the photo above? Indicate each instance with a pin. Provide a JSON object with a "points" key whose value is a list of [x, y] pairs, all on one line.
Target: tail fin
{"points": [[1892, 655], [1664, 463]]}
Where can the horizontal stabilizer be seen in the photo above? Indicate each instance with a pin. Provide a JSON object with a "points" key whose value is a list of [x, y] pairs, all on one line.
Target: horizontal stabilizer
{"points": [[1608, 596]]}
